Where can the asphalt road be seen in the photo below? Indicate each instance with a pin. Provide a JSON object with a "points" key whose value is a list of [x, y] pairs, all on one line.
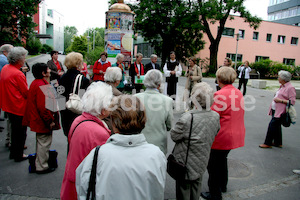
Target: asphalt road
{"points": [[254, 173]]}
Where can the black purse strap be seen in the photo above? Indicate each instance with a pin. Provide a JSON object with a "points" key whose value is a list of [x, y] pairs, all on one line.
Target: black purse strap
{"points": [[189, 141], [79, 124], [92, 182]]}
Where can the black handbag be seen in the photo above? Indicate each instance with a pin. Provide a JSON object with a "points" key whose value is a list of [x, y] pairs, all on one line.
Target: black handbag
{"points": [[92, 181], [176, 169], [285, 117]]}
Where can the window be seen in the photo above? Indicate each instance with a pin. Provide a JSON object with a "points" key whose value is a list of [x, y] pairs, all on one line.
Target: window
{"points": [[289, 61], [255, 35], [281, 39], [242, 33], [269, 37], [228, 32], [232, 57], [258, 58], [294, 41]]}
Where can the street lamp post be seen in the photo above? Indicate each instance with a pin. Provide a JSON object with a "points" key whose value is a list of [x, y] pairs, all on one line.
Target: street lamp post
{"points": [[94, 40], [88, 41], [237, 43]]}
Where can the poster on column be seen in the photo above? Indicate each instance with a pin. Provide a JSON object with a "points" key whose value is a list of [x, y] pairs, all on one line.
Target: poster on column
{"points": [[114, 22], [126, 45]]}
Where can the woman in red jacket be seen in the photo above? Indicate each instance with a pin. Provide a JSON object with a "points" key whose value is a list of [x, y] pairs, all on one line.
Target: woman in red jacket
{"points": [[39, 118], [229, 103], [13, 98], [100, 67]]}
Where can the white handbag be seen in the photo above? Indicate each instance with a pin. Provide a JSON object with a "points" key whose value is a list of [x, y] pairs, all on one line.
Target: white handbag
{"points": [[74, 103]]}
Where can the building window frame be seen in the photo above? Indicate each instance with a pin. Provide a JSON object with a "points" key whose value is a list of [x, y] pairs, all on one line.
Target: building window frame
{"points": [[232, 57], [241, 34], [281, 39], [269, 37], [294, 41], [259, 58], [255, 35], [289, 61], [228, 32]]}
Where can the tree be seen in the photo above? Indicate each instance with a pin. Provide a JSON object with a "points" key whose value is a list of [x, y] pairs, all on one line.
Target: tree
{"points": [[169, 26], [99, 37], [33, 45], [69, 33], [213, 11], [16, 23], [79, 45]]}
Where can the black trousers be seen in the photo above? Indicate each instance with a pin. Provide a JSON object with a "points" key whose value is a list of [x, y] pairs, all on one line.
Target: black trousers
{"points": [[274, 133], [171, 89], [218, 172], [243, 81], [18, 137]]}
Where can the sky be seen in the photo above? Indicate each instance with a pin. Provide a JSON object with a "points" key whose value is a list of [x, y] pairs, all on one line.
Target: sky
{"points": [[91, 13]]}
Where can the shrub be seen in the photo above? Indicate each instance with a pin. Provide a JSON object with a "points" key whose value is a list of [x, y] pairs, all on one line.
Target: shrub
{"points": [[33, 45], [263, 67], [46, 48], [94, 55]]}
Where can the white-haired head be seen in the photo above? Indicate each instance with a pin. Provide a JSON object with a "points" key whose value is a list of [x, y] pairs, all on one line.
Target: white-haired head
{"points": [[16, 54], [285, 75], [119, 56], [113, 74], [97, 97], [202, 93], [5, 49], [153, 78]]}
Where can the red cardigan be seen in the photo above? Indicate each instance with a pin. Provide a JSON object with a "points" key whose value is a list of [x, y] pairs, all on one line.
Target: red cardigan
{"points": [[96, 70], [13, 90], [37, 117], [229, 103]]}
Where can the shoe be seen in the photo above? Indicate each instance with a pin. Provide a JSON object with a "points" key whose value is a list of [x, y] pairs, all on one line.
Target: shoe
{"points": [[264, 146], [207, 195], [25, 157], [296, 171], [1, 127], [49, 170], [25, 147], [2, 119], [224, 189], [279, 146]]}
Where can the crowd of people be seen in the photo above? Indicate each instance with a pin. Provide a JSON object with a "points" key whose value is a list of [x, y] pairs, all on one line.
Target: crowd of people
{"points": [[131, 130]]}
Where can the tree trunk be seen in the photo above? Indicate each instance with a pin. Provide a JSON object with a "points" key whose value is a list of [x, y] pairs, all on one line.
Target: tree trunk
{"points": [[213, 56]]}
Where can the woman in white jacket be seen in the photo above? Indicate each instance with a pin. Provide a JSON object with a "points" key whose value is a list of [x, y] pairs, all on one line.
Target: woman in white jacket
{"points": [[128, 167], [244, 76]]}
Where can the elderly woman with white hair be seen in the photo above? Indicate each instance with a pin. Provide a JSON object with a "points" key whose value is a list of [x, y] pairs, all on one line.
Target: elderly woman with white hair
{"points": [[120, 64], [87, 131], [199, 126], [283, 96], [159, 110], [13, 94], [113, 77]]}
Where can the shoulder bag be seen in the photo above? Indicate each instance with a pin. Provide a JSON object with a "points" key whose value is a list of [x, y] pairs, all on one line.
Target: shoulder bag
{"points": [[176, 169], [74, 103], [92, 181], [289, 117]]}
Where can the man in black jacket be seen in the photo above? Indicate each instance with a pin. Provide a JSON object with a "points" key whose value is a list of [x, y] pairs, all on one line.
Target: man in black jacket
{"points": [[152, 64]]}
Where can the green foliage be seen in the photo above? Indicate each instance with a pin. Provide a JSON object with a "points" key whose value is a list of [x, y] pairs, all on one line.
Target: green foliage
{"points": [[33, 45], [99, 37], [269, 69], [94, 55], [169, 26], [79, 45], [69, 33], [46, 48], [16, 23], [213, 11]]}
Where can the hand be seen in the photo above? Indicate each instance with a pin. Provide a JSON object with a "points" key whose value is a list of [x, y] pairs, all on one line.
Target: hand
{"points": [[52, 125], [61, 73], [191, 77], [100, 72], [24, 69], [138, 76], [277, 100], [172, 72]]}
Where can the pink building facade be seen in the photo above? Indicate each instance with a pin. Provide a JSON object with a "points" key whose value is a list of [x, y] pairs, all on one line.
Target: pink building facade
{"points": [[277, 42]]}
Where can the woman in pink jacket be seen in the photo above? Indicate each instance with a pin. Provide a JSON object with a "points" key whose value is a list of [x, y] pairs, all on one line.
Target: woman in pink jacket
{"points": [[229, 103], [285, 93], [87, 131]]}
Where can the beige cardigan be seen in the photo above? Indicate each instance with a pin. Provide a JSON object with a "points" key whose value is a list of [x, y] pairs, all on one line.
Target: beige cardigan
{"points": [[196, 74]]}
